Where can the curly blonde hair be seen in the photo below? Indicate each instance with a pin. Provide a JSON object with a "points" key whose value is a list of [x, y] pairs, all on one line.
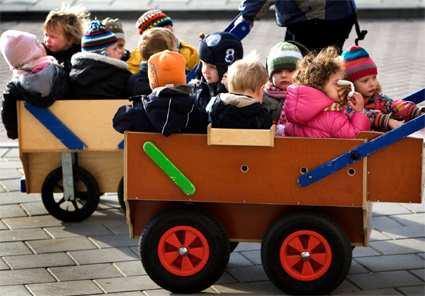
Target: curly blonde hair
{"points": [[315, 70], [72, 20]]}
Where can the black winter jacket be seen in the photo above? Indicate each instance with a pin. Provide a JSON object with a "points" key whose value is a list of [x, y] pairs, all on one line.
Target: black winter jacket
{"points": [[138, 84], [238, 111], [64, 57], [94, 76]]}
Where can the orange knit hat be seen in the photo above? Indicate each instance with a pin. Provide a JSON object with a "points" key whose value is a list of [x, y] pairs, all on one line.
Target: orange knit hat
{"points": [[166, 67]]}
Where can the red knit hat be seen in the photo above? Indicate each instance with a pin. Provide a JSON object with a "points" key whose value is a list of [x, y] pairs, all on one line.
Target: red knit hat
{"points": [[357, 63], [151, 19]]}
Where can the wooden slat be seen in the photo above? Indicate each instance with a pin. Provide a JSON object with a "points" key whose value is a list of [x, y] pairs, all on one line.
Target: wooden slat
{"points": [[241, 137]]}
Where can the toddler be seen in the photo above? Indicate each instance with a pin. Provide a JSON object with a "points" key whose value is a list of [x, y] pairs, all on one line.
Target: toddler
{"points": [[63, 30], [115, 26], [281, 65], [36, 77], [242, 106], [315, 106], [383, 112]]}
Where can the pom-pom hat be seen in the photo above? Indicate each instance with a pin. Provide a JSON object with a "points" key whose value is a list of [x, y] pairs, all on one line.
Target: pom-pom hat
{"points": [[358, 63], [97, 38], [152, 19], [283, 56]]}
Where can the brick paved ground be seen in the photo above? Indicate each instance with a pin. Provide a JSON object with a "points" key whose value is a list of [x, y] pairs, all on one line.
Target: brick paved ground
{"points": [[40, 255]]}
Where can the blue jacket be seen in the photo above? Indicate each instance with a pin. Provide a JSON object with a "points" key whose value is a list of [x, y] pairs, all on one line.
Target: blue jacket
{"points": [[290, 11]]}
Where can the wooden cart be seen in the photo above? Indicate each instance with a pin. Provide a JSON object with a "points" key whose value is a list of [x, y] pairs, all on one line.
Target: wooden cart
{"points": [[70, 154], [244, 185]]}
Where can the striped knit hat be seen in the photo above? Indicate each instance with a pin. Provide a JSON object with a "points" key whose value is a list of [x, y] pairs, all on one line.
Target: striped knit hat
{"points": [[115, 26], [151, 19], [97, 38], [283, 56], [357, 63]]}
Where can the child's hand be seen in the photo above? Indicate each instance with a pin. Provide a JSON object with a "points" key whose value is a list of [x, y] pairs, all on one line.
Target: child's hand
{"points": [[356, 102], [392, 123]]}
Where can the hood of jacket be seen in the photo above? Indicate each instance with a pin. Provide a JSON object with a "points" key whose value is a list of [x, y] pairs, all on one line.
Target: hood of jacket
{"points": [[303, 103]]}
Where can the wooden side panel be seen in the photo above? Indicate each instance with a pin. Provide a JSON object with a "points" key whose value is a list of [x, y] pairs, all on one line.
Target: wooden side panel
{"points": [[241, 137], [106, 167], [395, 172], [248, 222], [271, 177], [90, 120]]}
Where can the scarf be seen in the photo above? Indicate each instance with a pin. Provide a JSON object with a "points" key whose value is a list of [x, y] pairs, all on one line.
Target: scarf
{"points": [[274, 91]]}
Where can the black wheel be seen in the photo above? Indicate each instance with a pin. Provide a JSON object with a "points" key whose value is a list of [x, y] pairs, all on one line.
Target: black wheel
{"points": [[85, 201], [120, 193], [184, 251], [233, 246], [306, 253]]}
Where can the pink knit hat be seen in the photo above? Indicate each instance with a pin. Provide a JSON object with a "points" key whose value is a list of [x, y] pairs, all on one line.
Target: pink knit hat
{"points": [[20, 48]]}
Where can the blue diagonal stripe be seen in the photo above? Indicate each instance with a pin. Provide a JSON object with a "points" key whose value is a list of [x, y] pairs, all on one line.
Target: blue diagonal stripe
{"points": [[56, 127]]}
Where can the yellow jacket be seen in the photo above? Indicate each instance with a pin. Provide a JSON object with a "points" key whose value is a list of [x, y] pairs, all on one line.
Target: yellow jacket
{"points": [[189, 52]]}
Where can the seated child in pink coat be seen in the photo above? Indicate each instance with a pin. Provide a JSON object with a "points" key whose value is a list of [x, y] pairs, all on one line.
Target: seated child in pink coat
{"points": [[315, 105], [383, 112]]}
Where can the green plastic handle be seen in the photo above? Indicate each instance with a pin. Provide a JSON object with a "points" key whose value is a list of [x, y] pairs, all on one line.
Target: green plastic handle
{"points": [[166, 165]]}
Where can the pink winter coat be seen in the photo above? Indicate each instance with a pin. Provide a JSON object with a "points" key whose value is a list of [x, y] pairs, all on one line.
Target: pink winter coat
{"points": [[304, 110]]}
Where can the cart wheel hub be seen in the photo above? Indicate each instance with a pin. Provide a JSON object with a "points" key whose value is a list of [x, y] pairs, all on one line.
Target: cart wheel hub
{"points": [[305, 255], [183, 251]]}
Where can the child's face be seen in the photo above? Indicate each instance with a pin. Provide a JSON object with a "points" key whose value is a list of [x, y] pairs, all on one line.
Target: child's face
{"points": [[367, 85], [55, 39], [331, 88], [209, 71], [283, 78], [115, 51], [121, 44]]}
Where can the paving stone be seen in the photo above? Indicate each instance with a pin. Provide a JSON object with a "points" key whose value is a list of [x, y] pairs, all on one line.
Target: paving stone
{"points": [[3, 226], [114, 241], [256, 288], [11, 153], [369, 292], [346, 288], [32, 222], [248, 247], [35, 208], [22, 234], [103, 256], [11, 185], [364, 251], [25, 276], [420, 273], [65, 288], [248, 274], [80, 229], [376, 235], [413, 291], [406, 232], [357, 268], [14, 291], [117, 227], [39, 260], [17, 197], [402, 246], [131, 268], [386, 279], [15, 248], [3, 265], [85, 272], [9, 211], [391, 262], [128, 294], [6, 174], [422, 255], [61, 244], [10, 164], [416, 208], [127, 284], [237, 260], [253, 256], [388, 208], [226, 278], [384, 223], [162, 292]]}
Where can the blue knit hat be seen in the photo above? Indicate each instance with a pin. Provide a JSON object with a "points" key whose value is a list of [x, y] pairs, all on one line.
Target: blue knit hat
{"points": [[97, 38]]}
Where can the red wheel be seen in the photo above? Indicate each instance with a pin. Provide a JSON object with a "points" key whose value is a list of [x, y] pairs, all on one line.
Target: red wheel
{"points": [[183, 250], [305, 255]]}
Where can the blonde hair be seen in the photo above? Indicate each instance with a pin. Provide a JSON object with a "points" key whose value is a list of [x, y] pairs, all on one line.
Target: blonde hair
{"points": [[72, 20], [155, 40], [246, 74], [315, 70]]}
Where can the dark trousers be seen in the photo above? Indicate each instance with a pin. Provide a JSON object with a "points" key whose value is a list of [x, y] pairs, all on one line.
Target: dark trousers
{"points": [[317, 34]]}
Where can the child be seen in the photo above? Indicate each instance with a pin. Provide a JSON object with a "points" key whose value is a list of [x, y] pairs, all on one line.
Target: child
{"points": [[63, 30], [37, 78], [314, 107], [97, 71], [281, 64], [171, 107], [384, 113], [242, 106], [152, 41], [115, 26], [153, 19]]}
